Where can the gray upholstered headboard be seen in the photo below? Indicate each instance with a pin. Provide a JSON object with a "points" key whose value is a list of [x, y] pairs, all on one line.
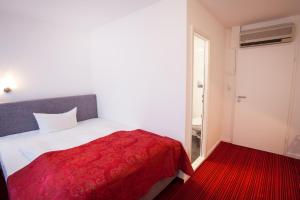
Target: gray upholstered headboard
{"points": [[18, 117]]}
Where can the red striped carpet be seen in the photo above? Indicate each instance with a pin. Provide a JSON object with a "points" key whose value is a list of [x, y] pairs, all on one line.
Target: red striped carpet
{"points": [[234, 172]]}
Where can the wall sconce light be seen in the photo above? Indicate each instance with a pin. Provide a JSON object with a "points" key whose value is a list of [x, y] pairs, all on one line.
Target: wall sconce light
{"points": [[7, 90], [7, 83]]}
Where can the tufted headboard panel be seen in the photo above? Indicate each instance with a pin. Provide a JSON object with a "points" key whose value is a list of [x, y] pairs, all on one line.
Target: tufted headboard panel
{"points": [[18, 117]]}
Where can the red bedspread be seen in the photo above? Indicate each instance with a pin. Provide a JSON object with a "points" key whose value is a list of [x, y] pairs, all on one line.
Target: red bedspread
{"points": [[122, 165]]}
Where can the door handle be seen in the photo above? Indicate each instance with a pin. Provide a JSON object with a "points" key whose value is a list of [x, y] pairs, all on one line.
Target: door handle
{"points": [[239, 98]]}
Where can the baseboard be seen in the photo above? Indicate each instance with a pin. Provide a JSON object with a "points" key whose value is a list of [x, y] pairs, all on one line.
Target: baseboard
{"points": [[183, 176], [198, 162], [226, 140], [213, 148], [292, 155], [217, 143]]}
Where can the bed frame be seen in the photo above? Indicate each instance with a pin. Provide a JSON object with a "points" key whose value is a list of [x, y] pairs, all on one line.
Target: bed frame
{"points": [[18, 117]]}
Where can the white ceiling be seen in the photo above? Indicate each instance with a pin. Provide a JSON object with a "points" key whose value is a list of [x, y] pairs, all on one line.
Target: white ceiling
{"points": [[241, 12], [87, 14], [84, 14]]}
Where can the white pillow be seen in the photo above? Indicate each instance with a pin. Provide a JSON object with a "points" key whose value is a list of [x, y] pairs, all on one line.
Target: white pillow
{"points": [[56, 122]]}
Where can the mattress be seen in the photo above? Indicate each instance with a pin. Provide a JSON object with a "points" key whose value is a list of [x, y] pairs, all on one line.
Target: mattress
{"points": [[17, 151], [106, 168]]}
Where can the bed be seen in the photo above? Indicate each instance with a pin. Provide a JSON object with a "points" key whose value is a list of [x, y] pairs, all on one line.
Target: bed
{"points": [[140, 164]]}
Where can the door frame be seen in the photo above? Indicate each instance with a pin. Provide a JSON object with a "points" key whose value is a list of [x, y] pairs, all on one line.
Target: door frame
{"points": [[195, 32]]}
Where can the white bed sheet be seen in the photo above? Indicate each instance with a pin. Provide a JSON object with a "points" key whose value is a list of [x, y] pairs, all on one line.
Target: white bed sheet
{"points": [[18, 150]]}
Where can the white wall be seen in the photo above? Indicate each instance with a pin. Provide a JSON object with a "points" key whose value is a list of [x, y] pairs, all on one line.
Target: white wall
{"points": [[139, 68], [43, 59], [293, 138], [138, 65], [207, 25], [293, 145]]}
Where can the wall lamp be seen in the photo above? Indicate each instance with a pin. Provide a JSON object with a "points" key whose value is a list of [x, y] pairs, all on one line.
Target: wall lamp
{"points": [[7, 83], [7, 90]]}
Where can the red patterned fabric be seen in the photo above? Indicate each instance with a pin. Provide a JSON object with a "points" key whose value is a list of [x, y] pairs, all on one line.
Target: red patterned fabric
{"points": [[123, 165]]}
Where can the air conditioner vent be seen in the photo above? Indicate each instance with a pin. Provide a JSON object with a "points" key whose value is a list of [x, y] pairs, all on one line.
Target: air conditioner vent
{"points": [[269, 35]]}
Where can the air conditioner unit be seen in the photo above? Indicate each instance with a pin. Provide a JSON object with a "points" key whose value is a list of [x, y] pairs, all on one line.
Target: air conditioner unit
{"points": [[282, 33]]}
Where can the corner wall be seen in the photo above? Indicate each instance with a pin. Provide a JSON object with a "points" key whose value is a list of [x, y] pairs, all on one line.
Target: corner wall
{"points": [[139, 68]]}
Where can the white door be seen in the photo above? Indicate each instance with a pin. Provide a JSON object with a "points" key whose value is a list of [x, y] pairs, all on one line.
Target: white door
{"points": [[264, 78]]}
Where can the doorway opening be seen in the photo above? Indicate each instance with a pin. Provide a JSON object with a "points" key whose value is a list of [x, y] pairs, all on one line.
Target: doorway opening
{"points": [[199, 93]]}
